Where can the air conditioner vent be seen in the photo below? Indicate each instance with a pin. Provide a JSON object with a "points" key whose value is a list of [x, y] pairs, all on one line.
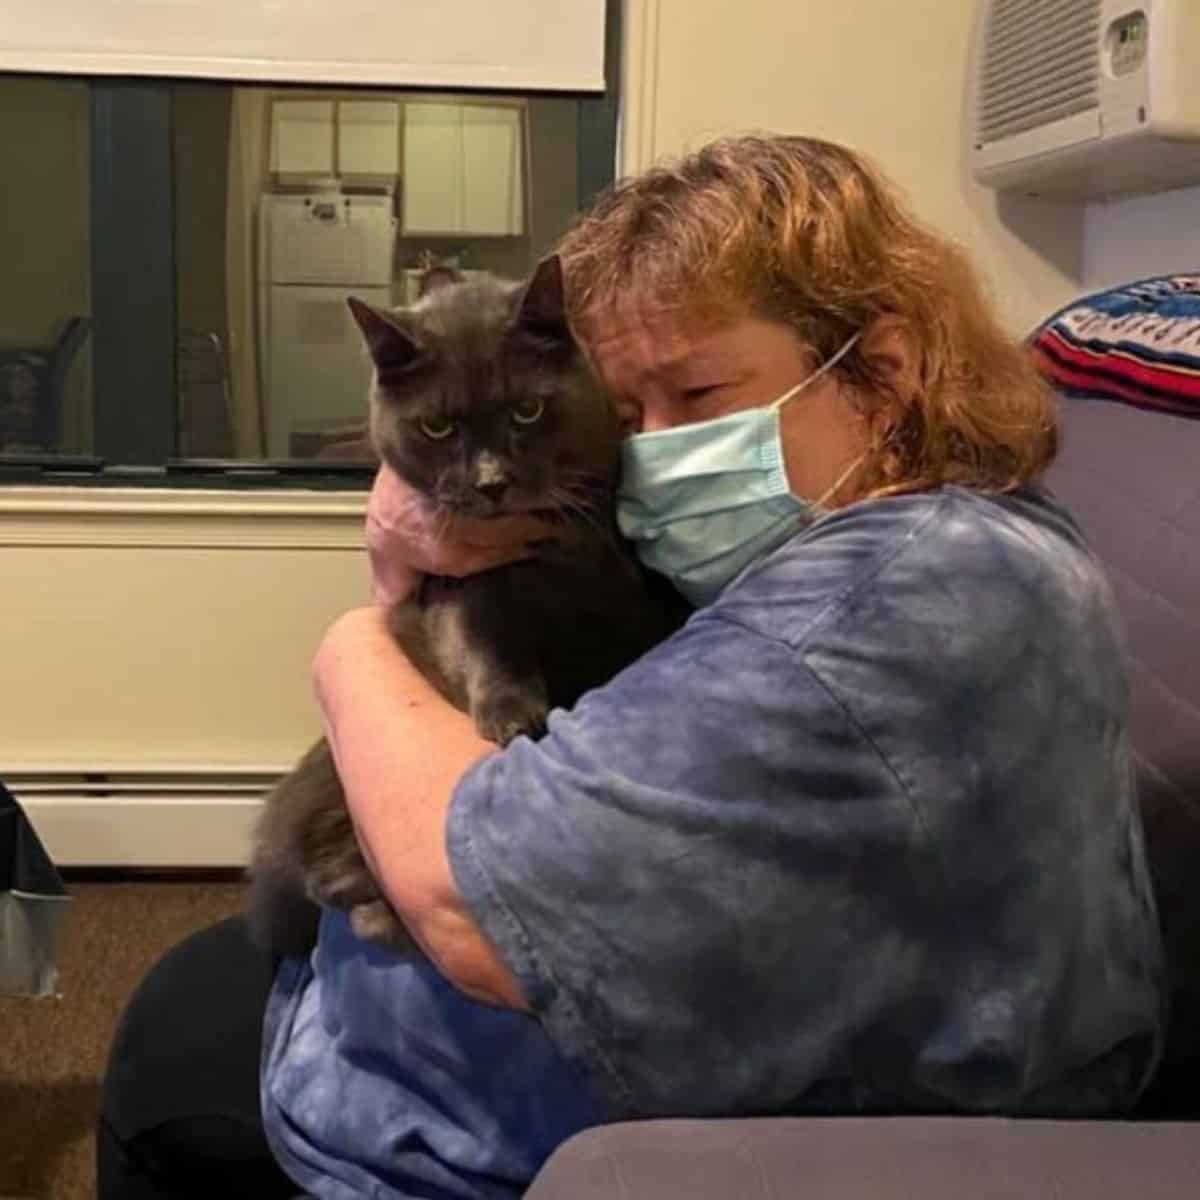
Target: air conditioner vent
{"points": [[1040, 64]]}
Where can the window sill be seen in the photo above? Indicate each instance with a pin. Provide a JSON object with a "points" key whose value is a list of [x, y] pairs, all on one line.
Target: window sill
{"points": [[174, 517]]}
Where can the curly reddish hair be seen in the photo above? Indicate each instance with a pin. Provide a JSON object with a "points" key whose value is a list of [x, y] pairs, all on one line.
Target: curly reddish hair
{"points": [[807, 233]]}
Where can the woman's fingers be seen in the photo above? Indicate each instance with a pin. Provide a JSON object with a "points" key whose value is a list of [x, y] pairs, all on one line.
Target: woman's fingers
{"points": [[466, 545], [406, 539]]}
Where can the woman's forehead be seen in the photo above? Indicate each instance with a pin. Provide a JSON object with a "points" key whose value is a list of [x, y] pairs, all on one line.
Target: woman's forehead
{"points": [[629, 345]]}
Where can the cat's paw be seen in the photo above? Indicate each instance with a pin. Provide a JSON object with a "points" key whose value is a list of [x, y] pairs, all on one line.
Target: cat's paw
{"points": [[376, 922], [504, 715]]}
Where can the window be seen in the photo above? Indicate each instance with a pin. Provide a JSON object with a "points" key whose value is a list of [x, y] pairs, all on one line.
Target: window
{"points": [[176, 256]]}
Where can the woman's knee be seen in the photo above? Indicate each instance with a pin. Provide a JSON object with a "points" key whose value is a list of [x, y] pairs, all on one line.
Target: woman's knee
{"points": [[189, 1157], [188, 1041]]}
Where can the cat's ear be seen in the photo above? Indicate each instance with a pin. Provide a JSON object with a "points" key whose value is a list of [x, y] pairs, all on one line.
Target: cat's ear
{"points": [[391, 347], [542, 309]]}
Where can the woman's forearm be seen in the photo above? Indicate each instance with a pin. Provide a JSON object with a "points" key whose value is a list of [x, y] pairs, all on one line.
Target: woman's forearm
{"points": [[401, 751]]}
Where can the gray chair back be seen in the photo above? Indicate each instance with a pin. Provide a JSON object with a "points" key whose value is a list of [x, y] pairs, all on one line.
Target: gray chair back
{"points": [[1132, 479]]}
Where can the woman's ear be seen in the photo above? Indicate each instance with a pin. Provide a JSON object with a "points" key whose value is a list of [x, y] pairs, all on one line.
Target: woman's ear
{"points": [[892, 352]]}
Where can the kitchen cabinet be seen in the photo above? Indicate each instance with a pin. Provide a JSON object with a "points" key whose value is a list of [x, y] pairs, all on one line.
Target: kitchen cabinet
{"points": [[464, 170], [331, 137], [368, 137], [302, 137]]}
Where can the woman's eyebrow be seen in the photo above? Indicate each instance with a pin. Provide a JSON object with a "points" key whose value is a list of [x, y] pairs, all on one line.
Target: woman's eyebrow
{"points": [[700, 358]]}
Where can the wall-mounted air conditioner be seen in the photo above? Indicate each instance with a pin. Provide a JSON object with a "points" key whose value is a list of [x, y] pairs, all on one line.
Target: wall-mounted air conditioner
{"points": [[1086, 99]]}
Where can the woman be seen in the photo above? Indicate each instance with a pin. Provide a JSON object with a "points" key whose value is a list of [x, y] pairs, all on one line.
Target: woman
{"points": [[859, 838]]}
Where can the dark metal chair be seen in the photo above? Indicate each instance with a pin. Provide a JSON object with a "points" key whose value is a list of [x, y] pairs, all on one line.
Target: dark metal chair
{"points": [[32, 382]]}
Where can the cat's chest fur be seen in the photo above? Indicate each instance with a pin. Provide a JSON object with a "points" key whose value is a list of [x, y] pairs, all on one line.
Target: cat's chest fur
{"points": [[512, 643], [581, 613]]}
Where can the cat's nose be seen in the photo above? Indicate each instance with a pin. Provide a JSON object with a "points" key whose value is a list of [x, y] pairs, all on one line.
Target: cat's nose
{"points": [[491, 476], [493, 489]]}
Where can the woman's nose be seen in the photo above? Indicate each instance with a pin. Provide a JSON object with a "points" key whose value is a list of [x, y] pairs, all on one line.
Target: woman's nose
{"points": [[653, 418], [652, 411], [629, 418]]}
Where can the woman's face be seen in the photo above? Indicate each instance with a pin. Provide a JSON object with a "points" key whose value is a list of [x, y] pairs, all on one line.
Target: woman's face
{"points": [[662, 375]]}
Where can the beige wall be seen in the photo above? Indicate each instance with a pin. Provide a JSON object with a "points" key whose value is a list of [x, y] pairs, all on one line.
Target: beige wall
{"points": [[167, 632], [885, 77], [1143, 236]]}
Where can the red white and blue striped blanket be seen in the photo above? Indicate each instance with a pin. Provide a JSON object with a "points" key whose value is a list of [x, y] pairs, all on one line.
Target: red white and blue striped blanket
{"points": [[1138, 343]]}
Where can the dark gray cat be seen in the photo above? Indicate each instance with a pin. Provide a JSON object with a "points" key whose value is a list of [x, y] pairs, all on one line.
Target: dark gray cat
{"points": [[485, 404]]}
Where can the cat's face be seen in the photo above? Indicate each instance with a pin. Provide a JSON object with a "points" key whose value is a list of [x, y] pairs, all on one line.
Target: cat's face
{"points": [[483, 401]]}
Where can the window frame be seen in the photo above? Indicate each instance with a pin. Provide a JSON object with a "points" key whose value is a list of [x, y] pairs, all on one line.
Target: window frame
{"points": [[134, 330]]}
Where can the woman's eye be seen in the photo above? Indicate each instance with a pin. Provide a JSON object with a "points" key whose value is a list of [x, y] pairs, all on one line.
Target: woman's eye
{"points": [[528, 411], [698, 393], [436, 428]]}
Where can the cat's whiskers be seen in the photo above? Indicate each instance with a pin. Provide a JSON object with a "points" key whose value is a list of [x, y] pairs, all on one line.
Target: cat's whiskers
{"points": [[587, 484], [570, 502]]}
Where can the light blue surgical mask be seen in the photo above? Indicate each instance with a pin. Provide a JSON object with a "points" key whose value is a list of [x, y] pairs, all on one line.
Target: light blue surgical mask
{"points": [[702, 502]]}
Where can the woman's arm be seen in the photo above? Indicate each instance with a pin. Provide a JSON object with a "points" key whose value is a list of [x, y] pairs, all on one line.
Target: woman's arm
{"points": [[401, 751]]}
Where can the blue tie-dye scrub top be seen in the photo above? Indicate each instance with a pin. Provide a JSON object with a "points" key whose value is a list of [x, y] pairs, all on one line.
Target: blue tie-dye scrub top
{"points": [[860, 837]]}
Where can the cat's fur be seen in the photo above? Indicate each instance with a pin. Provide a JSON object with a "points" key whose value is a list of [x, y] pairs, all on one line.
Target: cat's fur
{"points": [[530, 428]]}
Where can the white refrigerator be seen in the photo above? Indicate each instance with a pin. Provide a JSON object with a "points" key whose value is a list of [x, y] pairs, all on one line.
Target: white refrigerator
{"points": [[315, 250]]}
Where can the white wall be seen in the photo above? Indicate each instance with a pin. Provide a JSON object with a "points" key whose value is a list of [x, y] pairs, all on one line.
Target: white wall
{"points": [[1140, 237], [886, 77]]}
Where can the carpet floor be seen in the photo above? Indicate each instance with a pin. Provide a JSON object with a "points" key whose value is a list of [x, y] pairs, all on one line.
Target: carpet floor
{"points": [[52, 1052]]}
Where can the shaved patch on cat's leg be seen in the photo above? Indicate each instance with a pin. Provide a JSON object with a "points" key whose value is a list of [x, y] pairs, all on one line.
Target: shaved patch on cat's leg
{"points": [[376, 922], [341, 881]]}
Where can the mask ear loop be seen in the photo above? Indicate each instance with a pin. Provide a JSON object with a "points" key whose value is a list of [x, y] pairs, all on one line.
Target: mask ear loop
{"points": [[832, 491], [826, 366], [823, 369], [862, 458]]}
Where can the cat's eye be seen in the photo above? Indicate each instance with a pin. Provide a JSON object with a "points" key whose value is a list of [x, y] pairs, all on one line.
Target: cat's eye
{"points": [[528, 411], [436, 428]]}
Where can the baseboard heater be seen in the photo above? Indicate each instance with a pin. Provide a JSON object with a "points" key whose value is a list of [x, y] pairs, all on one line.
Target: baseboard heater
{"points": [[144, 819]]}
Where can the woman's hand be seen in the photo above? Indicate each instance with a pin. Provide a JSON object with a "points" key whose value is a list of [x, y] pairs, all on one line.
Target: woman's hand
{"points": [[406, 539]]}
